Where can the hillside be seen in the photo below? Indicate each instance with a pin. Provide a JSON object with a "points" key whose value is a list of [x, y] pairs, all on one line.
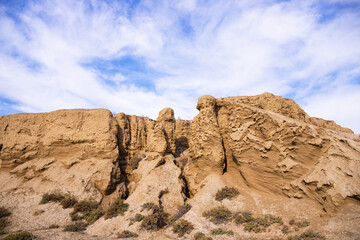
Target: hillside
{"points": [[244, 168]]}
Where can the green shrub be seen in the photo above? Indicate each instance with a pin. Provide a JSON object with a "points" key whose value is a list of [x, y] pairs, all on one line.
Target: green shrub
{"points": [[226, 192], [182, 227], [76, 227], [52, 197], [156, 220], [20, 236], [4, 212], [139, 217], [52, 226], [201, 236], [308, 235], [127, 234], [116, 208], [218, 215], [220, 231]]}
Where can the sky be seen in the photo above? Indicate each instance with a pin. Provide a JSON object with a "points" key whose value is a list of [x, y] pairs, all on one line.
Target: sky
{"points": [[139, 57]]}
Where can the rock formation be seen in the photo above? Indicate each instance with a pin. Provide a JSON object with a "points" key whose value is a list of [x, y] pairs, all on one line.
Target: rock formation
{"points": [[282, 161]]}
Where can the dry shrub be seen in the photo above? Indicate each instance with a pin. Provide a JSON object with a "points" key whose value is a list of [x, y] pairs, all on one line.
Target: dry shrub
{"points": [[182, 227], [116, 208], [127, 234], [226, 192], [218, 215]]}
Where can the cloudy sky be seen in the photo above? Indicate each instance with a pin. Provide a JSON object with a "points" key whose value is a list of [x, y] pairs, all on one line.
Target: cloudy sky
{"points": [[138, 57]]}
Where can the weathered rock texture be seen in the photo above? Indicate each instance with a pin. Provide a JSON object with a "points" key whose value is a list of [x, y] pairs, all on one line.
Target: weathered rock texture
{"points": [[281, 160]]}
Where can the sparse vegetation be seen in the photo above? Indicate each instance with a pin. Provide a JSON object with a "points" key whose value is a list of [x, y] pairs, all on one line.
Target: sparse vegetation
{"points": [[220, 231], [76, 227], [218, 215], [156, 220], [139, 217], [66, 200], [127, 234], [226, 192], [182, 227], [4, 213], [20, 236], [87, 210], [308, 235], [148, 206], [258, 224], [285, 229], [201, 236], [51, 197], [181, 212], [116, 208], [52, 226]]}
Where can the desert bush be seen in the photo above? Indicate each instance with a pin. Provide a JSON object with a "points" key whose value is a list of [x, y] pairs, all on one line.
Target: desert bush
{"points": [[127, 234], [52, 197], [116, 208], [3, 223], [94, 215], [308, 235], [218, 215], [285, 229], [182, 227], [52, 226], [20, 236], [220, 231], [201, 236], [90, 211], [243, 217], [4, 212], [148, 206], [181, 212], [156, 220], [76, 227], [139, 217], [226, 192], [258, 224], [68, 202]]}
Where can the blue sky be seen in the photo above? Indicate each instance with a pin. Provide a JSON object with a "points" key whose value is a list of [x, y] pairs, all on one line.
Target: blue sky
{"points": [[139, 56]]}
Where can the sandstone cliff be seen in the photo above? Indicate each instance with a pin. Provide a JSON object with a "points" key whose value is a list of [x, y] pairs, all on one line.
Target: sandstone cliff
{"points": [[278, 158]]}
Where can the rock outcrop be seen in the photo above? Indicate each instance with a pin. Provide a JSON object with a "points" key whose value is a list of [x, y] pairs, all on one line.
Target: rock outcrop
{"points": [[279, 159]]}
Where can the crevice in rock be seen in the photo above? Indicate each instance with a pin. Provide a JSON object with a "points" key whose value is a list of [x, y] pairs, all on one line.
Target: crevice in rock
{"points": [[222, 139], [185, 188], [1, 146]]}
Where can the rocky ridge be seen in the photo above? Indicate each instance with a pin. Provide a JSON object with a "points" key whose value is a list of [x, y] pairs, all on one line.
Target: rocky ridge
{"points": [[281, 160]]}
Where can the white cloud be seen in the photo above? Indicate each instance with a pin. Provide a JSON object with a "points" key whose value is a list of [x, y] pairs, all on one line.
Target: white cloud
{"points": [[221, 48]]}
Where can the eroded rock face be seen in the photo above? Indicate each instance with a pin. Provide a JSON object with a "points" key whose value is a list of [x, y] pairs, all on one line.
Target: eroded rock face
{"points": [[206, 146], [62, 149]]}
